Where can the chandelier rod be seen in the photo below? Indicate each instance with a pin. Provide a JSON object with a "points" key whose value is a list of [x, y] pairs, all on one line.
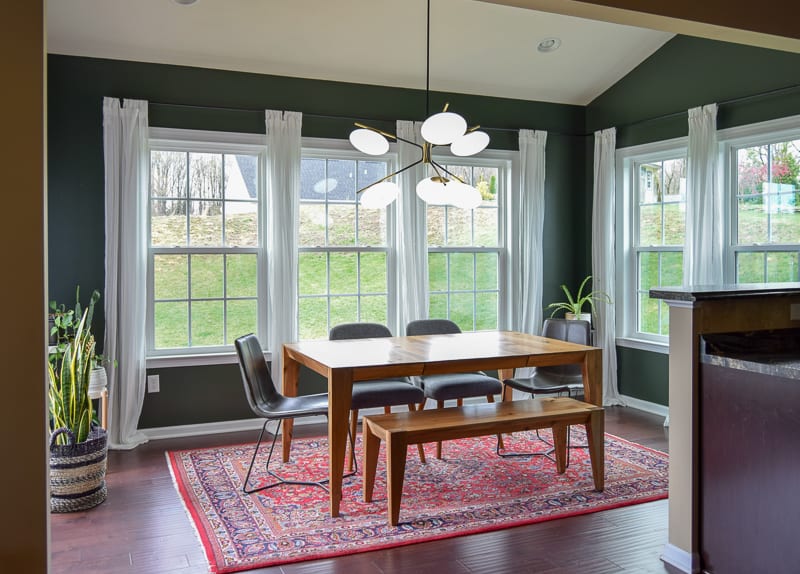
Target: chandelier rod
{"points": [[428, 65]]}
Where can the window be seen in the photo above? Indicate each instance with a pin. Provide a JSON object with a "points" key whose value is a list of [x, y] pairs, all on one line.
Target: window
{"points": [[654, 198], [205, 247], [343, 269], [760, 167], [466, 250], [765, 226]]}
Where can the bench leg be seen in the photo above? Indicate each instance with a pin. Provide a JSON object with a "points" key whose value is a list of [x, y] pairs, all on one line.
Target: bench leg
{"points": [[595, 434], [395, 472], [372, 445], [412, 407], [560, 445]]}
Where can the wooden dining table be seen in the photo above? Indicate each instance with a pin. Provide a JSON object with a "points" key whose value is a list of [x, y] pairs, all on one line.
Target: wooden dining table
{"points": [[344, 362]]}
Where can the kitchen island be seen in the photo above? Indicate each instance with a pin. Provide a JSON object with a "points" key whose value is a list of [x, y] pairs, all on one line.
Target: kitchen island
{"points": [[695, 312]]}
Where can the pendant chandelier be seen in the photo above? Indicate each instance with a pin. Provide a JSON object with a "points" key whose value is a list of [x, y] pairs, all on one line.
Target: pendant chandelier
{"points": [[442, 187]]}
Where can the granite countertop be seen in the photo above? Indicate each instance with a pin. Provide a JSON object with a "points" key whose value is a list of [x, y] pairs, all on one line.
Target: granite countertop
{"points": [[775, 352], [704, 292]]}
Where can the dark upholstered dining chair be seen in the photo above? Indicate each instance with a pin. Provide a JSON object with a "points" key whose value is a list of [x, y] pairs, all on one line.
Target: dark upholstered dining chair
{"points": [[384, 393], [555, 379], [268, 403], [451, 386]]}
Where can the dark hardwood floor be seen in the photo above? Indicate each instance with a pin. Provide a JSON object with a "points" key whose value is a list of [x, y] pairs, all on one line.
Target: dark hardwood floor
{"points": [[143, 527]]}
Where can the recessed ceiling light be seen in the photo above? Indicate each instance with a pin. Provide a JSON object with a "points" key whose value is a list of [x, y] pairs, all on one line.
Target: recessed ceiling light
{"points": [[549, 45], [185, 2]]}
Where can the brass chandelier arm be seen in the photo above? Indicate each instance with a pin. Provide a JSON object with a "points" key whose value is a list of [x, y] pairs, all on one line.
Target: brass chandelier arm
{"points": [[386, 135], [437, 167], [391, 175]]}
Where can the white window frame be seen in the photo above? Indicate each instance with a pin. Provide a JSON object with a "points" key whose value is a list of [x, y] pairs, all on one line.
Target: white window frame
{"points": [[730, 141], [325, 148], [202, 141], [506, 163], [627, 251]]}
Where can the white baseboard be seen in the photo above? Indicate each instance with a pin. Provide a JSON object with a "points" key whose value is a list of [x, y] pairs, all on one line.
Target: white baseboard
{"points": [[684, 561], [178, 431], [648, 407]]}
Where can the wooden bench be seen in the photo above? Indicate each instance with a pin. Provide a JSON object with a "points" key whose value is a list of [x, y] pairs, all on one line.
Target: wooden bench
{"points": [[399, 430]]}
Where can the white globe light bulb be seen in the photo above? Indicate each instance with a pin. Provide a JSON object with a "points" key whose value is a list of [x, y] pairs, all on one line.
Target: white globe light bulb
{"points": [[470, 144], [379, 195], [443, 128], [464, 196], [369, 142], [432, 191]]}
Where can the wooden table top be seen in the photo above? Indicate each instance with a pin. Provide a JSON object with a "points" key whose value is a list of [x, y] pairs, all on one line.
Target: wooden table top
{"points": [[427, 354]]}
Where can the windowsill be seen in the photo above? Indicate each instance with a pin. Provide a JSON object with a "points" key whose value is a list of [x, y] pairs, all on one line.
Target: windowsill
{"points": [[643, 345], [168, 361]]}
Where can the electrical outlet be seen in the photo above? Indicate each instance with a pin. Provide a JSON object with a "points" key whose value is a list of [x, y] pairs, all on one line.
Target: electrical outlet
{"points": [[153, 384]]}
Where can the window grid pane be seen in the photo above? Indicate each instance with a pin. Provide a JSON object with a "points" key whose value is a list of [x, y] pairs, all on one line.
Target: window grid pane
{"points": [[204, 224], [463, 282], [660, 187], [767, 189], [342, 271]]}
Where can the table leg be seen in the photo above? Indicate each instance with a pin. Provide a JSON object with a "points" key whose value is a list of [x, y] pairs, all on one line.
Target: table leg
{"points": [[340, 394], [595, 435], [593, 377], [508, 392], [291, 372]]}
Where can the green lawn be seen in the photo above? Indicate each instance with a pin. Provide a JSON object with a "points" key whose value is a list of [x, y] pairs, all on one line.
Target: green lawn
{"points": [[329, 283]]}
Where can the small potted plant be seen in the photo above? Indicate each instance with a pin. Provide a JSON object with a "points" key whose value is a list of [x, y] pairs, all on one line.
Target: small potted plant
{"points": [[573, 307], [78, 447]]}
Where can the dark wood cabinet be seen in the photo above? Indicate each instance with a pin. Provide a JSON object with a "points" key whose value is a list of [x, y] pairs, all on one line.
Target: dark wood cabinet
{"points": [[749, 471]]}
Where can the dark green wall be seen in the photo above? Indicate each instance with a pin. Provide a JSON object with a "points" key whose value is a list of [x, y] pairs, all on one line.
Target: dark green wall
{"points": [[76, 87], [688, 72]]}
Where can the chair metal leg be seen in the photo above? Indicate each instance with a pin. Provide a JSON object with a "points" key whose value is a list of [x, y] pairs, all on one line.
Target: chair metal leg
{"points": [[353, 429], [279, 479], [439, 405], [547, 454]]}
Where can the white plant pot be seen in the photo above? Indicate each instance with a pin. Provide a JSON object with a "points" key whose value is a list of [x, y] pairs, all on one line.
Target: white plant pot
{"points": [[97, 382], [579, 317]]}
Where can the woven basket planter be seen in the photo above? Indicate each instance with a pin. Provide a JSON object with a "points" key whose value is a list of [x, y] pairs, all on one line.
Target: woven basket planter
{"points": [[78, 471]]}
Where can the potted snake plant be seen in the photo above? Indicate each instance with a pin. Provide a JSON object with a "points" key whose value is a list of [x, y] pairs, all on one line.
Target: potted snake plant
{"points": [[78, 447]]}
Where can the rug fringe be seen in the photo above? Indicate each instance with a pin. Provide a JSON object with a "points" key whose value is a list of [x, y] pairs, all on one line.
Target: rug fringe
{"points": [[189, 514]]}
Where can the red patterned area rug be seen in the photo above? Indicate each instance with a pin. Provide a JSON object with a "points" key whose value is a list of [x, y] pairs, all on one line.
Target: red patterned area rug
{"points": [[471, 490]]}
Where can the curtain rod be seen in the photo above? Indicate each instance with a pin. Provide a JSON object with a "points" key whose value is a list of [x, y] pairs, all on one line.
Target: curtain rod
{"points": [[330, 117], [740, 99]]}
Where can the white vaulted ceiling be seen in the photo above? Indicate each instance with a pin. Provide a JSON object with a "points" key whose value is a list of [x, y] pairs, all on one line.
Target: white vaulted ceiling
{"points": [[476, 47]]}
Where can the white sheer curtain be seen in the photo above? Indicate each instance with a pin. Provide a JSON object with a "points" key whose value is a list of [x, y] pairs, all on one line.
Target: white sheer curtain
{"points": [[411, 236], [527, 212], [126, 190], [603, 262], [702, 257], [283, 201], [527, 224]]}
